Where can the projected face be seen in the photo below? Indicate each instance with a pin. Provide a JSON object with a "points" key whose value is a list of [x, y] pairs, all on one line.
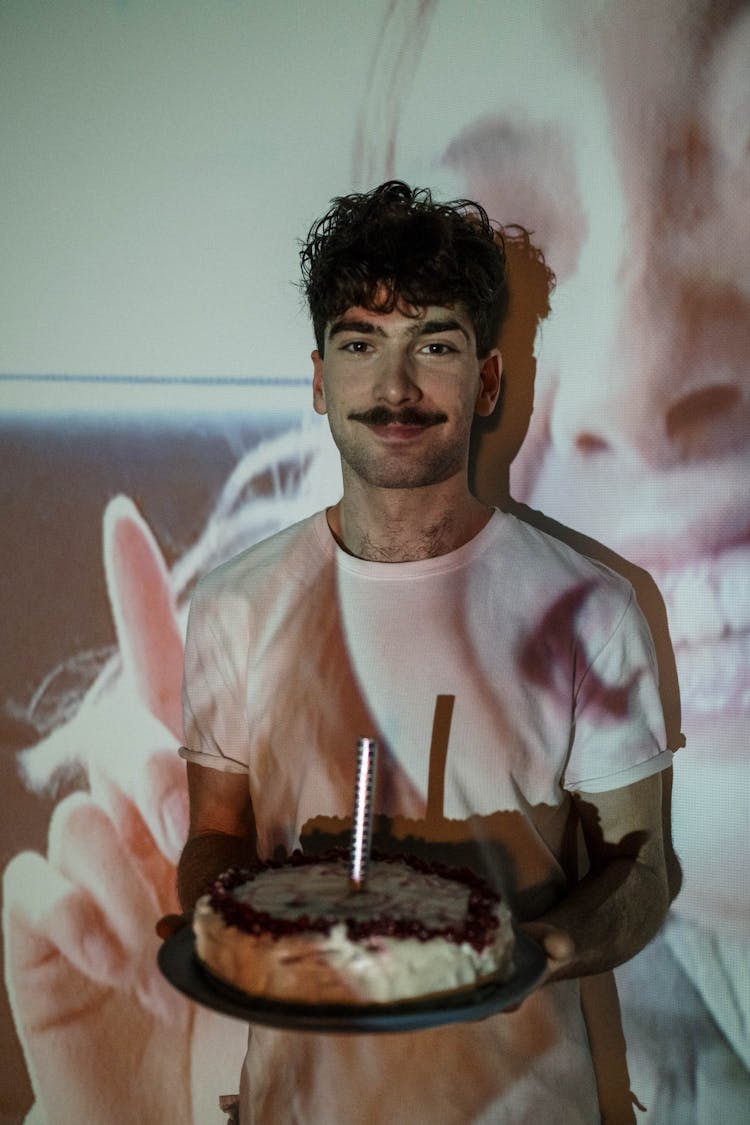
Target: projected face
{"points": [[618, 132]]}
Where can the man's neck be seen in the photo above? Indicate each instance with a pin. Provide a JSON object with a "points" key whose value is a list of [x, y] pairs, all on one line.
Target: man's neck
{"points": [[404, 525]]}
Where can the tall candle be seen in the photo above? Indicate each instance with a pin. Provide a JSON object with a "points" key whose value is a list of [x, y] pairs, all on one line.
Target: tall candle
{"points": [[367, 760]]}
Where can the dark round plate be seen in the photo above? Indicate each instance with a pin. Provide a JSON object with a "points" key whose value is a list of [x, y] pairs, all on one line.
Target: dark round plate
{"points": [[181, 967]]}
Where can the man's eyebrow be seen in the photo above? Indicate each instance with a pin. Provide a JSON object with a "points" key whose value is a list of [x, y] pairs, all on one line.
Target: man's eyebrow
{"points": [[444, 324], [420, 328], [364, 327]]}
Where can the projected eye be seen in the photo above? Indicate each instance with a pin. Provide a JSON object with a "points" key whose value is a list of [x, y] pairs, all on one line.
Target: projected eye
{"points": [[524, 173]]}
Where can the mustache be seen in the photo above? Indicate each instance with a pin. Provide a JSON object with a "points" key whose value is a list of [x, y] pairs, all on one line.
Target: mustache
{"points": [[409, 416]]}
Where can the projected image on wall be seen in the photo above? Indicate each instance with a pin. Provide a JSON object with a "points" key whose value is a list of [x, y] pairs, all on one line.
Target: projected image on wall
{"points": [[157, 419]]}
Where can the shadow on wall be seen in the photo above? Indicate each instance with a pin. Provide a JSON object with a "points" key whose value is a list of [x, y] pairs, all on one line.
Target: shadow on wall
{"points": [[497, 440]]}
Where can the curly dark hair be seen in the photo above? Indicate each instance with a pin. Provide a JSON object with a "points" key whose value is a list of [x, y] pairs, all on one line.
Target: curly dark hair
{"points": [[395, 247]]}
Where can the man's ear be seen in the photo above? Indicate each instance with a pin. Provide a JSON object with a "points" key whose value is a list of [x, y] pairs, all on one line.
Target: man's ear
{"points": [[490, 373], [319, 394]]}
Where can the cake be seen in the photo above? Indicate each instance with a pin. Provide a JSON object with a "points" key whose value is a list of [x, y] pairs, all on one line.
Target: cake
{"points": [[296, 931]]}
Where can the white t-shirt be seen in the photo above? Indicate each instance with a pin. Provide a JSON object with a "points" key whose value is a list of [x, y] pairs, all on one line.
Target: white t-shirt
{"points": [[496, 679]]}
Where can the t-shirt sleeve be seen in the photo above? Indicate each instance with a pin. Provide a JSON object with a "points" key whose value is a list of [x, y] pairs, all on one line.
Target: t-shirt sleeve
{"points": [[213, 706], [618, 721]]}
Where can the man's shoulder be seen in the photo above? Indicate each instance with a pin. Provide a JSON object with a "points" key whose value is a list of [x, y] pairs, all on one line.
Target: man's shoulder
{"points": [[556, 550], [285, 549], [555, 560]]}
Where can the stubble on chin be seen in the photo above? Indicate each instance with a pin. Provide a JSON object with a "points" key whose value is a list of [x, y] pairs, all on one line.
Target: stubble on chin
{"points": [[400, 468]]}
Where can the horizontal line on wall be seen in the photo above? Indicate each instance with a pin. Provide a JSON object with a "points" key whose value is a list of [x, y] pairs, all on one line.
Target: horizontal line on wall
{"points": [[165, 380]]}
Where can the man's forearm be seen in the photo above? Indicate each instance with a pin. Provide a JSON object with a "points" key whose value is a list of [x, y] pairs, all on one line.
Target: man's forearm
{"points": [[610, 916], [204, 857]]}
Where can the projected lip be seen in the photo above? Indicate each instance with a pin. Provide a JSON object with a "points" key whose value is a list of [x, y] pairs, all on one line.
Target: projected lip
{"points": [[709, 598], [689, 528], [708, 608]]}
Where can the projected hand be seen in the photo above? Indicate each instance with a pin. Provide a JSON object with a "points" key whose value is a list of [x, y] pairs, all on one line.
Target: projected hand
{"points": [[105, 1037]]}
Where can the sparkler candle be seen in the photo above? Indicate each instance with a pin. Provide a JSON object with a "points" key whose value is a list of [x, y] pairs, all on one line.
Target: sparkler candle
{"points": [[367, 760]]}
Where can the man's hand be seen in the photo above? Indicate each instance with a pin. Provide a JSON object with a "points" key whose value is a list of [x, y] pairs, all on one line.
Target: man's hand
{"points": [[620, 904], [557, 945], [170, 924]]}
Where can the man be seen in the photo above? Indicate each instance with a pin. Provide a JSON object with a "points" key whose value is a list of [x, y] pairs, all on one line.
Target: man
{"points": [[406, 593]]}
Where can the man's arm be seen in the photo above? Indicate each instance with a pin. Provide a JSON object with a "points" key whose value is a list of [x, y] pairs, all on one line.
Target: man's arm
{"points": [[620, 904], [222, 830]]}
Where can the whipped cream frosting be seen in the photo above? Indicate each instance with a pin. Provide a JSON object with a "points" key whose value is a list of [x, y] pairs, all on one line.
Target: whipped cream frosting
{"points": [[298, 932]]}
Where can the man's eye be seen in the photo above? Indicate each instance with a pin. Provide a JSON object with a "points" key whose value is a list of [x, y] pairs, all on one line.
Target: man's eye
{"points": [[435, 347], [356, 347]]}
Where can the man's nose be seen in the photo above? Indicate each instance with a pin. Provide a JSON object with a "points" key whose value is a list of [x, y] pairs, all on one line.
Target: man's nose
{"points": [[396, 380]]}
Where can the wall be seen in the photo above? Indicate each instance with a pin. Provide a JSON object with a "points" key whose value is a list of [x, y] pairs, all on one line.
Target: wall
{"points": [[160, 161]]}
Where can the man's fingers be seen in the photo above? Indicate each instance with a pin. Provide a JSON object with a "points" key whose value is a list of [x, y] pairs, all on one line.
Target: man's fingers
{"points": [[170, 924], [559, 947]]}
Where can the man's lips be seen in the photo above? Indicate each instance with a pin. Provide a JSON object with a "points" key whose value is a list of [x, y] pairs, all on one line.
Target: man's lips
{"points": [[397, 432]]}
